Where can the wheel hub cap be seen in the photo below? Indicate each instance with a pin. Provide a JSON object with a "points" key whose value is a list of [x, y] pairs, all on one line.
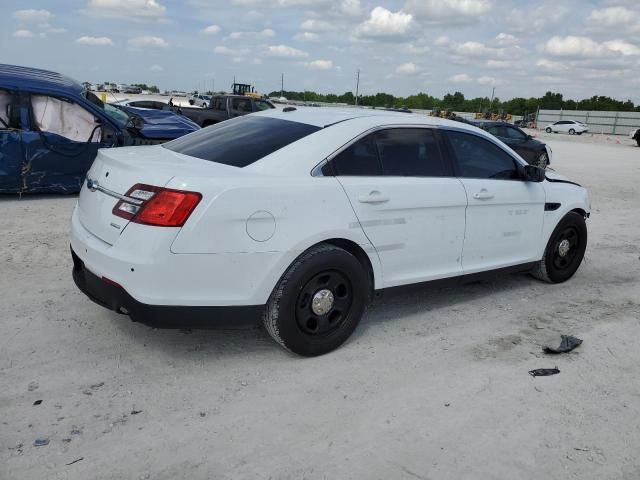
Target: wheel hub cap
{"points": [[322, 302], [564, 247]]}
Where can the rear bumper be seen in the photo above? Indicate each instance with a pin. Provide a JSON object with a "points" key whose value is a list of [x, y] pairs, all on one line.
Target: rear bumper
{"points": [[114, 297]]}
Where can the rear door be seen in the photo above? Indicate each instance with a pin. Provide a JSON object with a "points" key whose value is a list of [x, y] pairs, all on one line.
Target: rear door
{"points": [[407, 201], [505, 214]]}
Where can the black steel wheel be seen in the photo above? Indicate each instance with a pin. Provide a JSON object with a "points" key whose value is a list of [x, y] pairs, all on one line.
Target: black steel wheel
{"points": [[565, 250], [319, 301]]}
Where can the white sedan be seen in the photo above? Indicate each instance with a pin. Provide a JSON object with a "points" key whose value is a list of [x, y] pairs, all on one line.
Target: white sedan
{"points": [[298, 215], [571, 127]]}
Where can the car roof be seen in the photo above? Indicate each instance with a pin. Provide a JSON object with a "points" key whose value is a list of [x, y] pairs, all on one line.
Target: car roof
{"points": [[327, 116], [14, 76]]}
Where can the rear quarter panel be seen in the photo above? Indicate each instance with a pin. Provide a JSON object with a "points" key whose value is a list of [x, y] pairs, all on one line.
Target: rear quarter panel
{"points": [[289, 215]]}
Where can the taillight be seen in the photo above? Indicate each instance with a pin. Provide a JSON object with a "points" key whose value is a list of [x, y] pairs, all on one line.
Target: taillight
{"points": [[161, 207]]}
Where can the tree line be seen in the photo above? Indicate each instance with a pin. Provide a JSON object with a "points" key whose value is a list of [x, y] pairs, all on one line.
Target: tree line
{"points": [[458, 102]]}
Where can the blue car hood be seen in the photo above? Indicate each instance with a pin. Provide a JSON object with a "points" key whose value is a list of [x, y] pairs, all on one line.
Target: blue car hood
{"points": [[163, 124]]}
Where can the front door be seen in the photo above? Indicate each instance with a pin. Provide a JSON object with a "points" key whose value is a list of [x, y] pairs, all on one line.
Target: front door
{"points": [[60, 145], [407, 202], [11, 153], [505, 214]]}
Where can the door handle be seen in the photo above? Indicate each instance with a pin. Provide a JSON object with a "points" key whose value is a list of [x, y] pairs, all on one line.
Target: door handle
{"points": [[483, 195], [373, 197]]}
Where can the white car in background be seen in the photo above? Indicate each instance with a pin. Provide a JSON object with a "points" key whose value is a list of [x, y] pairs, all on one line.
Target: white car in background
{"points": [[199, 100], [299, 215], [571, 127]]}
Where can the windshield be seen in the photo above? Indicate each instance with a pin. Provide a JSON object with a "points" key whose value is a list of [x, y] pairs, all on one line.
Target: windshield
{"points": [[119, 116]]}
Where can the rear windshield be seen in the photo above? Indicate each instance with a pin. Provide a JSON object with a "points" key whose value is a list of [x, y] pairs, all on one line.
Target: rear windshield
{"points": [[241, 141]]}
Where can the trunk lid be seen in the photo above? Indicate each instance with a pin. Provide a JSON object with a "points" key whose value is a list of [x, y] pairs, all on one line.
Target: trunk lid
{"points": [[117, 170]]}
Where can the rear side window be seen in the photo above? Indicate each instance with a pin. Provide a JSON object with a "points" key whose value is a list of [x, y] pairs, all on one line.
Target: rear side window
{"points": [[410, 152], [359, 159], [6, 100], [241, 141], [480, 158], [400, 152]]}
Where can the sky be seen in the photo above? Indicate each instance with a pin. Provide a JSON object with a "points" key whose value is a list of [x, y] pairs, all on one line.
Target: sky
{"points": [[579, 48]]}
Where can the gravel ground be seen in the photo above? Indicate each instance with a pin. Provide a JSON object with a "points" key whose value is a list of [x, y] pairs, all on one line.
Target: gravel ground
{"points": [[433, 384]]}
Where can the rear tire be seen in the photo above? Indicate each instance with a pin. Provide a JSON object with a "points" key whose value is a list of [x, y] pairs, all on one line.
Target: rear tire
{"points": [[318, 302], [638, 141], [565, 250]]}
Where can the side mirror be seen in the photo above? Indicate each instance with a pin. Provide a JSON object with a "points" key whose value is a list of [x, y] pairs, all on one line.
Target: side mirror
{"points": [[531, 173], [136, 123], [529, 137]]}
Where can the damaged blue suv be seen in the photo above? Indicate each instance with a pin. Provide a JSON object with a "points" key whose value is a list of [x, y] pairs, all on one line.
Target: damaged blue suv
{"points": [[51, 129]]}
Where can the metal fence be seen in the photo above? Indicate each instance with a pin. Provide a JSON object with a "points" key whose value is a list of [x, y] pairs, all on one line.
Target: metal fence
{"points": [[615, 123]]}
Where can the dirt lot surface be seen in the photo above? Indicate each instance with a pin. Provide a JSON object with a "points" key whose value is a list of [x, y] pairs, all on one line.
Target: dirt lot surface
{"points": [[433, 384]]}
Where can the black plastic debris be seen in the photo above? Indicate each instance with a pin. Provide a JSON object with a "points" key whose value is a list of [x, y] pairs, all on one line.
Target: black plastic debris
{"points": [[544, 372], [37, 402], [41, 442], [135, 412], [567, 344], [75, 461]]}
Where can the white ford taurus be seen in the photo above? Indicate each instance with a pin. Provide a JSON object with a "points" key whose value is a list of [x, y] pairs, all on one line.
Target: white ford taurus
{"points": [[298, 215]]}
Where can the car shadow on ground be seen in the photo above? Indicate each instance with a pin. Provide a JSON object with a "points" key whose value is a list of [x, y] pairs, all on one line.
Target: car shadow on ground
{"points": [[36, 197], [386, 310]]}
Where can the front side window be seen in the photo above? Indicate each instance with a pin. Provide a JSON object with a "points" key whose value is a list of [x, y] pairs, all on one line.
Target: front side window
{"points": [[479, 158], [65, 118], [515, 134], [494, 130], [241, 141]]}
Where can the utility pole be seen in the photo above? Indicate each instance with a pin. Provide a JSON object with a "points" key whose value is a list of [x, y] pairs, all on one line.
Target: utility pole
{"points": [[357, 85], [282, 85], [493, 92]]}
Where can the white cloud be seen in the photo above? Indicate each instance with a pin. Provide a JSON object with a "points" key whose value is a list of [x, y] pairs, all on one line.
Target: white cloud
{"points": [[573, 46], [157, 68], [23, 34], [550, 65], [211, 30], [320, 65], [283, 51], [442, 40], [57, 30], [316, 25], [448, 11], [239, 52], [460, 78], [383, 22], [407, 69], [613, 16], [32, 15], [486, 80], [132, 10], [505, 39], [147, 41], [307, 37], [491, 63], [102, 41], [266, 33]]}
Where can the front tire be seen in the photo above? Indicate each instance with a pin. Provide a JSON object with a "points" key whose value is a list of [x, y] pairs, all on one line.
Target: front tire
{"points": [[318, 302], [548, 130], [565, 250], [572, 131], [542, 161]]}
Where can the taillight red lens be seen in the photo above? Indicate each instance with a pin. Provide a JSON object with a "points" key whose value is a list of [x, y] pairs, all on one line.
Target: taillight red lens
{"points": [[161, 207]]}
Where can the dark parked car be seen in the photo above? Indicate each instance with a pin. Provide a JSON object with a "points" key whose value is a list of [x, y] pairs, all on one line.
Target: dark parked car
{"points": [[533, 151], [51, 128], [224, 107]]}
